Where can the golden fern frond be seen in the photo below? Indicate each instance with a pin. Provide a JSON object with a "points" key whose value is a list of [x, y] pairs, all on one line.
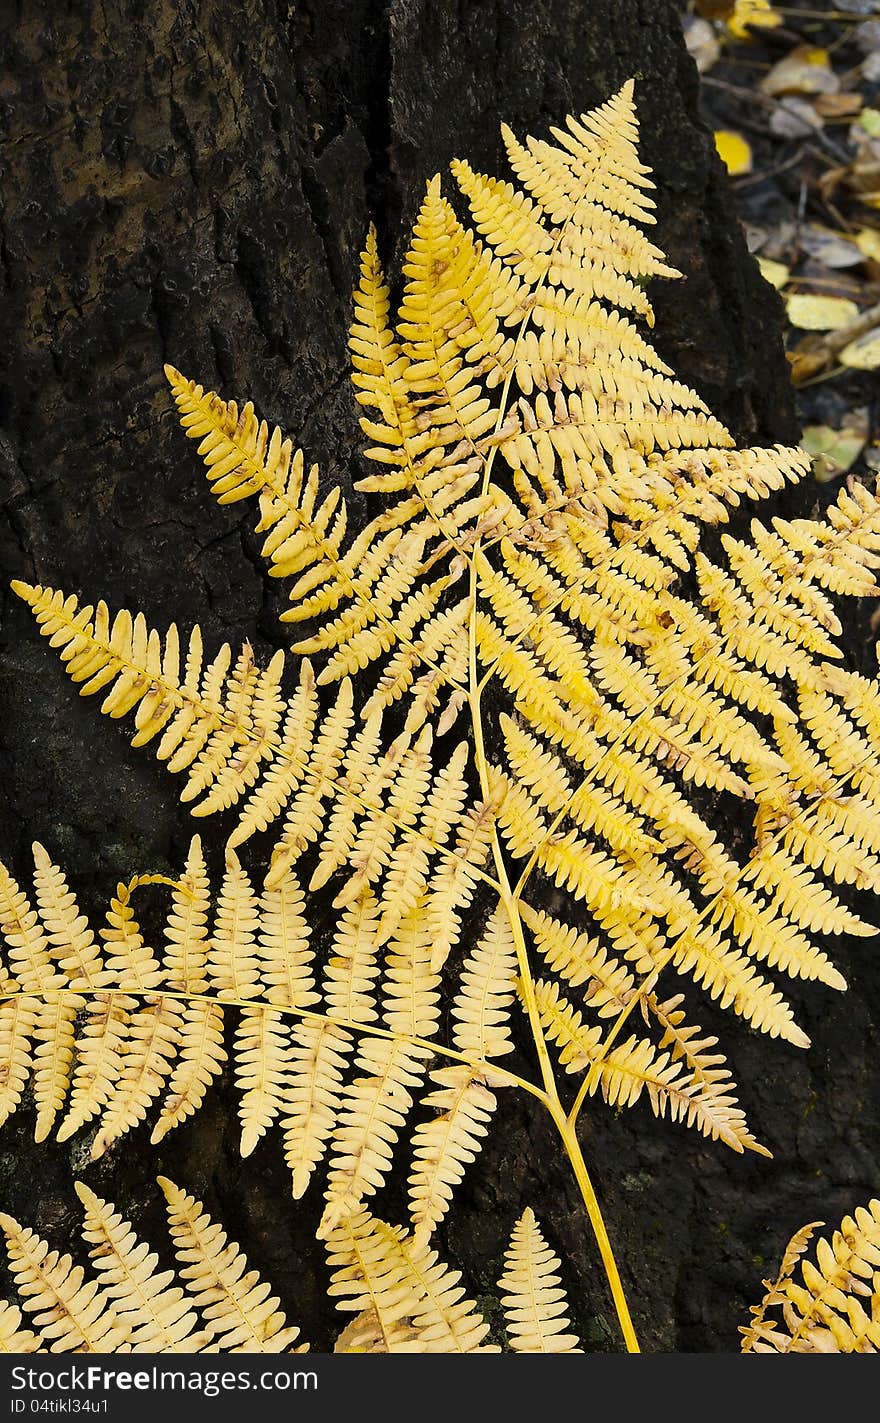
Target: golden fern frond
{"points": [[775, 1289], [219, 721], [200, 1049], [313, 1092], [157, 1316], [540, 554], [376, 576], [410, 1300], [535, 1306], [375, 1104], [455, 878], [153, 1033], [243, 457], [33, 964], [230, 728], [263, 1046], [679, 1076], [834, 1307], [129, 1305], [443, 1146], [71, 1312], [243, 1314], [147, 1024]]}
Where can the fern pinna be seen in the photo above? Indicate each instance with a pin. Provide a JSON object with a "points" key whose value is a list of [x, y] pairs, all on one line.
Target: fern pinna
{"points": [[513, 678]]}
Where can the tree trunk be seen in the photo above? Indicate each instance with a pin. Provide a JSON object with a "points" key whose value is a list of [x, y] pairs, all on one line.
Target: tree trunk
{"points": [[191, 182]]}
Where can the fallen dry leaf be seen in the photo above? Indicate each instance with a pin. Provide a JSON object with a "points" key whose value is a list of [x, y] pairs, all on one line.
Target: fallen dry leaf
{"points": [[863, 354], [704, 46], [776, 273], [794, 118], [758, 13], [735, 152], [804, 71], [833, 451], [837, 106], [867, 36], [831, 248], [820, 313]]}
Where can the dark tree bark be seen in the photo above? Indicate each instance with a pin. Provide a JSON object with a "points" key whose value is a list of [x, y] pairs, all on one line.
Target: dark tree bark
{"points": [[191, 182]]}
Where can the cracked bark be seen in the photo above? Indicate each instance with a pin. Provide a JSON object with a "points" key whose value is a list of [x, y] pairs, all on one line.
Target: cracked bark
{"points": [[192, 183]]}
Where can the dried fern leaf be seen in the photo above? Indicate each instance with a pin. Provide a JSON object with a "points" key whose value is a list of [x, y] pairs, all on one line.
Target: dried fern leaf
{"points": [[157, 1316], [320, 1051], [14, 1339], [415, 1302], [153, 1035], [244, 1315], [200, 1058], [70, 1312], [263, 1059], [443, 1146], [535, 1306]]}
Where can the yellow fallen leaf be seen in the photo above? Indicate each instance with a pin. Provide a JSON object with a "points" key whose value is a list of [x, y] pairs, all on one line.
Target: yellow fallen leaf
{"points": [[803, 71], [863, 354], [759, 13], [868, 242], [776, 273], [820, 313], [736, 155]]}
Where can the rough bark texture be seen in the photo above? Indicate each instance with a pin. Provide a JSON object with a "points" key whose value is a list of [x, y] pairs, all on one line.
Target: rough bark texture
{"points": [[191, 182]]}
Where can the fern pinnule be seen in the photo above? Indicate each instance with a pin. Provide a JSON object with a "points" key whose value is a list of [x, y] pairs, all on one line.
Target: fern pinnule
{"points": [[412, 1301], [535, 1306], [128, 1305], [71, 1312], [157, 1319], [243, 1314]]}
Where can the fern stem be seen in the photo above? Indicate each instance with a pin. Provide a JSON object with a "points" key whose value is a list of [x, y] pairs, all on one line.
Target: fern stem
{"points": [[510, 898], [505, 893], [568, 1133]]}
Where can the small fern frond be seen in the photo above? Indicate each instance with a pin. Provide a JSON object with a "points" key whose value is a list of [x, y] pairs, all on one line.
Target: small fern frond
{"points": [[535, 1306], [157, 1317], [71, 1312], [243, 1314]]}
